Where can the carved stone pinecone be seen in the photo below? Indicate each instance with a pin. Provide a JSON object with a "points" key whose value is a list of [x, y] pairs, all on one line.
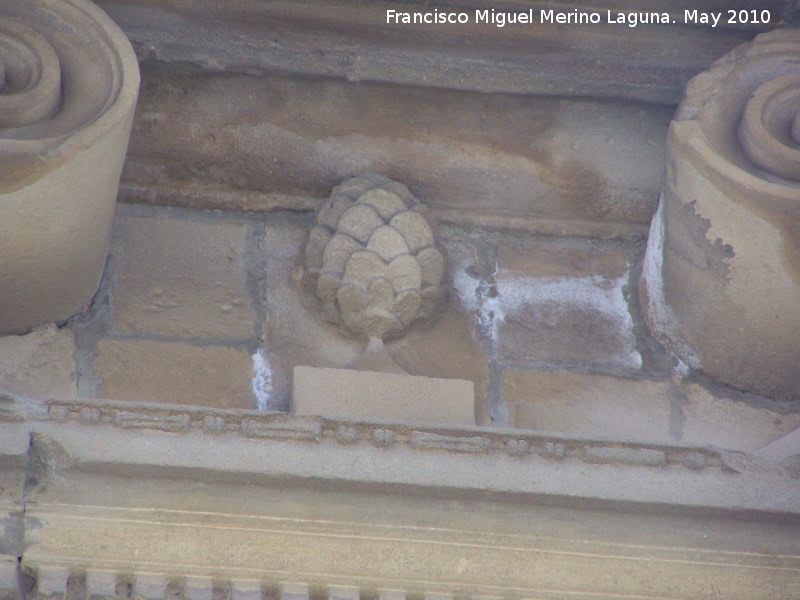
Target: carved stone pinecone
{"points": [[371, 258]]}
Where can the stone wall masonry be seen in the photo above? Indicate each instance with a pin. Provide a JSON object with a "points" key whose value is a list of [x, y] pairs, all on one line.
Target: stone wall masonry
{"points": [[157, 332]]}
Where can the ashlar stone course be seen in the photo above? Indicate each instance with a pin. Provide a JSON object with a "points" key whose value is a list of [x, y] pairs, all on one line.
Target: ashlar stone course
{"points": [[167, 372], [181, 278], [588, 405]]}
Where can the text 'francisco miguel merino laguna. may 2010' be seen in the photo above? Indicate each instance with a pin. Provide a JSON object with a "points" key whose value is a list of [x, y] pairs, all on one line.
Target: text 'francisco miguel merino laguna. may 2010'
{"points": [[577, 17]]}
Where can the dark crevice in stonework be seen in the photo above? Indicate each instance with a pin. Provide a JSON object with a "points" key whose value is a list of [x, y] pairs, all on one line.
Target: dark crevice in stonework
{"points": [[677, 419], [89, 327], [495, 396], [255, 270], [656, 362]]}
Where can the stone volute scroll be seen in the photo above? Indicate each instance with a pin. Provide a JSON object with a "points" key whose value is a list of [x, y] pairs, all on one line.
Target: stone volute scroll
{"points": [[722, 268], [373, 265], [69, 82]]}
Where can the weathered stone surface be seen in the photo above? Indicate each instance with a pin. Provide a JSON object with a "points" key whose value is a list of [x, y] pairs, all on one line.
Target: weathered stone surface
{"points": [[561, 307], [39, 364], [446, 348], [629, 456], [294, 334], [593, 406], [51, 582], [198, 588], [372, 396], [561, 260], [721, 281], [784, 449], [550, 165], [246, 589], [726, 423], [67, 104], [348, 40], [169, 372], [181, 278]]}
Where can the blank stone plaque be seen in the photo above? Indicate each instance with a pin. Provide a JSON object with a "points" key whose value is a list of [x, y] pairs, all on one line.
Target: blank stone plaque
{"points": [[382, 396]]}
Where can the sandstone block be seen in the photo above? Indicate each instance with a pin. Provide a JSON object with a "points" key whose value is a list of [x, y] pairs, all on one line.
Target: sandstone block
{"points": [[39, 364], [726, 423], [340, 592], [446, 348], [382, 396], [170, 372], [294, 591], [593, 406], [562, 306], [181, 278]]}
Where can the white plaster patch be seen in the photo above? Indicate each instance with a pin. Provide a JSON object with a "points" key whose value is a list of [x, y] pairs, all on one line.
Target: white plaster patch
{"points": [[262, 380], [548, 300], [475, 295], [466, 287], [662, 319]]}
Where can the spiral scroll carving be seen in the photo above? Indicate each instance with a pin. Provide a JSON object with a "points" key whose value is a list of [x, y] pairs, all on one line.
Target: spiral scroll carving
{"points": [[770, 127], [722, 267], [30, 77], [69, 82]]}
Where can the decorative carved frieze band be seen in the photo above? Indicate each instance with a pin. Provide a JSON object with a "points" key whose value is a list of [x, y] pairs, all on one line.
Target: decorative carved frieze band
{"points": [[133, 501], [420, 437]]}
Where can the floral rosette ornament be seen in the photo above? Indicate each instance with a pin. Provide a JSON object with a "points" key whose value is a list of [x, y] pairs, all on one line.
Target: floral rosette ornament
{"points": [[372, 258]]}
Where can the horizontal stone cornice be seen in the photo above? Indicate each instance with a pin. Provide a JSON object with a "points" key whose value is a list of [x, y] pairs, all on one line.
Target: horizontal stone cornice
{"points": [[206, 502], [351, 39]]}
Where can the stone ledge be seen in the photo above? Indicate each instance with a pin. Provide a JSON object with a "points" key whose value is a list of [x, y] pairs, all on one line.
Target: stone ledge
{"points": [[282, 427], [350, 39], [232, 500], [432, 460]]}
